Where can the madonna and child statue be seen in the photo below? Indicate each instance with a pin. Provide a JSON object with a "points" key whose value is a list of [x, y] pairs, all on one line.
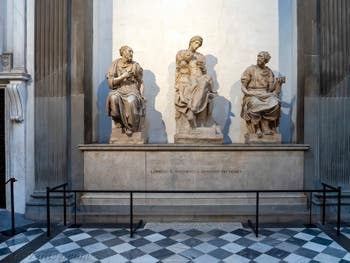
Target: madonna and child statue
{"points": [[194, 93]]}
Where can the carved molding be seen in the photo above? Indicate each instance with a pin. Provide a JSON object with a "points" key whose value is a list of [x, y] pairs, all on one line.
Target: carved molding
{"points": [[10, 76], [6, 61], [16, 94]]}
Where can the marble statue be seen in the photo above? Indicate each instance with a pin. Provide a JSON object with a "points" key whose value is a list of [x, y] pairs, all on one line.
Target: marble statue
{"points": [[261, 107], [194, 93], [125, 103]]}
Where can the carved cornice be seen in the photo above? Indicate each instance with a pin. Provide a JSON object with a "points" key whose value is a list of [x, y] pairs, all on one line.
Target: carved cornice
{"points": [[197, 148], [9, 76]]}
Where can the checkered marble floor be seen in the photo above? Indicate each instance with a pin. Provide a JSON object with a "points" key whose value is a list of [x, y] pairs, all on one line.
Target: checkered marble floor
{"points": [[191, 243], [345, 231], [14, 243]]}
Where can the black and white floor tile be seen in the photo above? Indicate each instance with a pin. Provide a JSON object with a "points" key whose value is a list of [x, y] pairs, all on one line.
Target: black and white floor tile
{"points": [[14, 243], [345, 231], [206, 243]]}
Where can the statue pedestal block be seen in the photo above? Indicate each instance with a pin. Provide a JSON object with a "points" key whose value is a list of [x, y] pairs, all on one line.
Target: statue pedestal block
{"points": [[118, 137], [251, 138], [192, 167], [201, 135]]}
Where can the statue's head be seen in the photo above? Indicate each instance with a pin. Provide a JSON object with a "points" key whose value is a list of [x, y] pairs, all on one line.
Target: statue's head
{"points": [[187, 56], [126, 53], [263, 58], [195, 42]]}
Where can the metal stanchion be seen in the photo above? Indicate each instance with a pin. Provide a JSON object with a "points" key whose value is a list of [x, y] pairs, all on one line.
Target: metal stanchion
{"points": [[339, 211], [310, 214], [131, 215], [48, 231], [257, 215], [12, 207], [324, 205], [64, 206], [75, 209]]}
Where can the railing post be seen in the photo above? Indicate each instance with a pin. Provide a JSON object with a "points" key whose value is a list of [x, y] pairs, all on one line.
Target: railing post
{"points": [[64, 206], [257, 215], [310, 214], [12, 207], [48, 231], [75, 208], [324, 205], [339, 211], [131, 215]]}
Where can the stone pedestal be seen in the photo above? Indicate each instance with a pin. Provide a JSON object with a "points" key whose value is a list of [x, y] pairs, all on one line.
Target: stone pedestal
{"points": [[251, 138], [201, 135], [192, 167], [119, 137]]}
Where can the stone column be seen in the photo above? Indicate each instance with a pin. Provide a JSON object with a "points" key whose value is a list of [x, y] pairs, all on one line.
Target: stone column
{"points": [[19, 34], [14, 77], [15, 140]]}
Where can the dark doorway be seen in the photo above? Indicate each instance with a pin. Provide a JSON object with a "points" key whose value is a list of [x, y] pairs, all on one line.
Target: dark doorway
{"points": [[2, 150]]}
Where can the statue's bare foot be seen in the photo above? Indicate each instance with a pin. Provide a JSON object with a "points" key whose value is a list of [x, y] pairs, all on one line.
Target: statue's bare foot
{"points": [[128, 133], [266, 127], [259, 133], [268, 132], [190, 115]]}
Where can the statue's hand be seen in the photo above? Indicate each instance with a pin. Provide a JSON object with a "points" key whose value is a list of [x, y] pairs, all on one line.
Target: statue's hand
{"points": [[247, 93], [125, 75], [281, 80]]}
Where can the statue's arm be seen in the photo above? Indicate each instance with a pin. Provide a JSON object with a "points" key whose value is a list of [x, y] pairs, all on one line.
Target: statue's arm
{"points": [[110, 75], [245, 90], [112, 78], [201, 64], [278, 84], [245, 79], [118, 80], [137, 71], [271, 81]]}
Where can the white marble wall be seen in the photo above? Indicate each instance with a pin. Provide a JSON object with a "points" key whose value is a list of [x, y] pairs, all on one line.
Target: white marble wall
{"points": [[234, 31], [30, 113], [17, 19], [2, 28], [102, 58]]}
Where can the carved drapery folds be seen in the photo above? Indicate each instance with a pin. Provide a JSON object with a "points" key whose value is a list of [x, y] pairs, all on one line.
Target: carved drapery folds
{"points": [[16, 93]]}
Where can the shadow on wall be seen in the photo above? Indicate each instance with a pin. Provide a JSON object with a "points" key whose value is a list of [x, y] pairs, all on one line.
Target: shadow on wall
{"points": [[170, 110], [222, 107], [156, 126], [104, 121], [286, 125], [237, 99], [286, 122], [286, 64]]}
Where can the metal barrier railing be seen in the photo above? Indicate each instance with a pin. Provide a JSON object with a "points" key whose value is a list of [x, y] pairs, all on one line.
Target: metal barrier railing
{"points": [[131, 192], [12, 181]]}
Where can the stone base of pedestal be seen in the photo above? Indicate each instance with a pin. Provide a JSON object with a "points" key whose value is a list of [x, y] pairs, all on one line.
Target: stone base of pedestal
{"points": [[267, 139], [192, 167], [120, 137], [115, 208], [200, 135]]}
